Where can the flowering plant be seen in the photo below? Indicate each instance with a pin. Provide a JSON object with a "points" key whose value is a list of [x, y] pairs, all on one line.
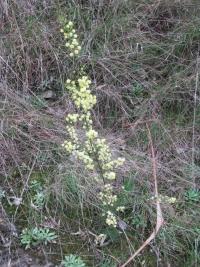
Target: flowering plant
{"points": [[93, 150]]}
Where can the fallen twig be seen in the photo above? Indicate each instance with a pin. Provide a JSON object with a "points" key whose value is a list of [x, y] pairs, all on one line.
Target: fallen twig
{"points": [[160, 219]]}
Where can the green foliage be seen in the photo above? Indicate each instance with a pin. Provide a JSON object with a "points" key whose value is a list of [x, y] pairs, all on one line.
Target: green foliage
{"points": [[188, 40], [73, 261], [137, 90], [37, 190], [35, 185], [71, 182], [192, 195], [34, 236], [107, 263], [129, 185], [112, 234], [2, 194], [39, 200], [37, 102], [138, 221]]}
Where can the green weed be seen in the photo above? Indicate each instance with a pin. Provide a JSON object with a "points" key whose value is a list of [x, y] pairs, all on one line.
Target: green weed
{"points": [[73, 261], [35, 236]]}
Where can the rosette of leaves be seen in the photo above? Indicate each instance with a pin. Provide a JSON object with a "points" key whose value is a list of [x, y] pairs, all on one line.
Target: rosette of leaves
{"points": [[192, 195], [73, 261], [35, 236]]}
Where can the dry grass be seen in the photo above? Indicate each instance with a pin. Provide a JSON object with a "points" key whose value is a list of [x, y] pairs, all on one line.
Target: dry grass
{"points": [[143, 59]]}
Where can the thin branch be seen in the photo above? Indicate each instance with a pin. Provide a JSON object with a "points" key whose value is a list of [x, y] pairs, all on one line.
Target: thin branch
{"points": [[160, 219], [194, 121]]}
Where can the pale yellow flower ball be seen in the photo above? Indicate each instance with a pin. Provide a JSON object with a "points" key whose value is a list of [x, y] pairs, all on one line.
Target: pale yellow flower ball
{"points": [[70, 23]]}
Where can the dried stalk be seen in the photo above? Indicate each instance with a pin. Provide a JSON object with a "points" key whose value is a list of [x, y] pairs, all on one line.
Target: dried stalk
{"points": [[160, 219]]}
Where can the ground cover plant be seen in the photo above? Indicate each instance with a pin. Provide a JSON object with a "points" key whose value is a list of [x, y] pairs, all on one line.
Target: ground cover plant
{"points": [[88, 90]]}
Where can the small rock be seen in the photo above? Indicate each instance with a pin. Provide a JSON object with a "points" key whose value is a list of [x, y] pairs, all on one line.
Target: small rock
{"points": [[122, 225], [49, 94]]}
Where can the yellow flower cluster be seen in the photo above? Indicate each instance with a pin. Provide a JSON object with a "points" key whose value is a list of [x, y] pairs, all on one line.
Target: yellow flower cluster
{"points": [[113, 164], [72, 118], [81, 94], [93, 151], [91, 134], [165, 199], [110, 175], [86, 119], [72, 133], [87, 160], [71, 37], [111, 219], [105, 158], [120, 209], [69, 146], [104, 154], [106, 195]]}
